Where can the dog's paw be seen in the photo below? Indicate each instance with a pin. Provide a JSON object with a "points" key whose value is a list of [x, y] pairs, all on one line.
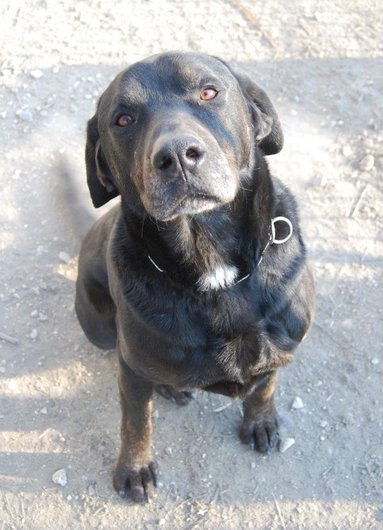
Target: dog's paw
{"points": [[179, 397], [136, 483], [261, 434]]}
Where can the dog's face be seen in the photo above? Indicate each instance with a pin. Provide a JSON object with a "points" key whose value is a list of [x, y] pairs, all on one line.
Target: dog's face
{"points": [[175, 134]]}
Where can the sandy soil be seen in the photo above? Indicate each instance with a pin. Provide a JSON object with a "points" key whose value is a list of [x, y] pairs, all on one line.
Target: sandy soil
{"points": [[322, 64]]}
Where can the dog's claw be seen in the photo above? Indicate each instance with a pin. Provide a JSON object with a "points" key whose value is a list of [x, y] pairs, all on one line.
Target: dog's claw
{"points": [[138, 483], [180, 397], [262, 434]]}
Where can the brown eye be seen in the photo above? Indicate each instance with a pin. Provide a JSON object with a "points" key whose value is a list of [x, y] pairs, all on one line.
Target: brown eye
{"points": [[124, 120], [208, 93]]}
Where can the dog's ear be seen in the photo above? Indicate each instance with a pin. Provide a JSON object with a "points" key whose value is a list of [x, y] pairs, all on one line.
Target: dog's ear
{"points": [[269, 135], [99, 176]]}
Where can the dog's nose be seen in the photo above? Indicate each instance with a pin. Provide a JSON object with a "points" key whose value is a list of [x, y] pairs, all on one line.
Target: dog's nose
{"points": [[183, 153]]}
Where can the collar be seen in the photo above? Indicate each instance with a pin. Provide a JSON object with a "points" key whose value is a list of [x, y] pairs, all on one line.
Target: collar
{"points": [[272, 241]]}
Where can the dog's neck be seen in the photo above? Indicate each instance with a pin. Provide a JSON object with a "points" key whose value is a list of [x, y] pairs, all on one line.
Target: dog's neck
{"points": [[206, 245], [212, 250]]}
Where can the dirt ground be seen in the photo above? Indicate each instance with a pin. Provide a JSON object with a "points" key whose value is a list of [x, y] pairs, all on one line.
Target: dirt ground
{"points": [[321, 62]]}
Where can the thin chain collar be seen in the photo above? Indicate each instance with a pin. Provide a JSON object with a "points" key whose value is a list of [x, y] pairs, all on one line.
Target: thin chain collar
{"points": [[272, 241]]}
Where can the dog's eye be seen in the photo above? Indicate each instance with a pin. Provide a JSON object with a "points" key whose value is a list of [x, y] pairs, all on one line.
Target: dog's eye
{"points": [[208, 93], [124, 120]]}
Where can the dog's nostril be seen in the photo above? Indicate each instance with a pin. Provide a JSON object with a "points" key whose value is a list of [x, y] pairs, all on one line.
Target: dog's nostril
{"points": [[165, 162], [178, 155], [192, 153]]}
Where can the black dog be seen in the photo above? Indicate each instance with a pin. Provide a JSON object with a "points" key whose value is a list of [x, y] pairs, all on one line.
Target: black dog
{"points": [[199, 276]]}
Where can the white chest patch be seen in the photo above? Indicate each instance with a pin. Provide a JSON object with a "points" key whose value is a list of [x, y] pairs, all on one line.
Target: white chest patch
{"points": [[221, 277]]}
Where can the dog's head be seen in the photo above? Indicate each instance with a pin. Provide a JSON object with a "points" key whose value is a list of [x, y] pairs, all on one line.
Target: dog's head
{"points": [[175, 134]]}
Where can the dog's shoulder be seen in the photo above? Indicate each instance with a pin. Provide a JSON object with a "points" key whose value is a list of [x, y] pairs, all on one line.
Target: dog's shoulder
{"points": [[286, 289]]}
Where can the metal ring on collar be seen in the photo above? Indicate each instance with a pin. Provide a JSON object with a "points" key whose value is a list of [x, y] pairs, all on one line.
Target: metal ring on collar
{"points": [[284, 220]]}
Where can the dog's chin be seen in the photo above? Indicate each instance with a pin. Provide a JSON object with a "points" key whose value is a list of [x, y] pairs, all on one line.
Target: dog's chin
{"points": [[188, 206]]}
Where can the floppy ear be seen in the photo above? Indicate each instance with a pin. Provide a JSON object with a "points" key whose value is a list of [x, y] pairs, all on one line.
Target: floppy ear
{"points": [[99, 176], [269, 131]]}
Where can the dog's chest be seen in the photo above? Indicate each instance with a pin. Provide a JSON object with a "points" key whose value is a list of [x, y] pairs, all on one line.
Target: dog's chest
{"points": [[193, 339], [199, 319], [219, 277]]}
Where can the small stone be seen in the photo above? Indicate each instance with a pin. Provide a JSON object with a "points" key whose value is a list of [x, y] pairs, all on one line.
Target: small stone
{"points": [[375, 361], [42, 317], [367, 163], [286, 444], [156, 414], [347, 323], [34, 334], [44, 411], [320, 181], [25, 115], [92, 489], [59, 477], [368, 143], [297, 403], [346, 151], [34, 313], [253, 465], [36, 74], [2, 370], [64, 257]]}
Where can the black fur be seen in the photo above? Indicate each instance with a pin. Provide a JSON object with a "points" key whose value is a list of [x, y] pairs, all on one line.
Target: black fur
{"points": [[196, 195]]}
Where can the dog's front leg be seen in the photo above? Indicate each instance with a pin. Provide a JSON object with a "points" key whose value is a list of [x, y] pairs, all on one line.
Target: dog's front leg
{"points": [[135, 474], [260, 419]]}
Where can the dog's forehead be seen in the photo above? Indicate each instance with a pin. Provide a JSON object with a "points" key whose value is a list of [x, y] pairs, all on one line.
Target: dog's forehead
{"points": [[173, 72]]}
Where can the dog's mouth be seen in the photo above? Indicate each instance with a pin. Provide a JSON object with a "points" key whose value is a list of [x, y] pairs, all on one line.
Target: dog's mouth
{"points": [[189, 194], [194, 203]]}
